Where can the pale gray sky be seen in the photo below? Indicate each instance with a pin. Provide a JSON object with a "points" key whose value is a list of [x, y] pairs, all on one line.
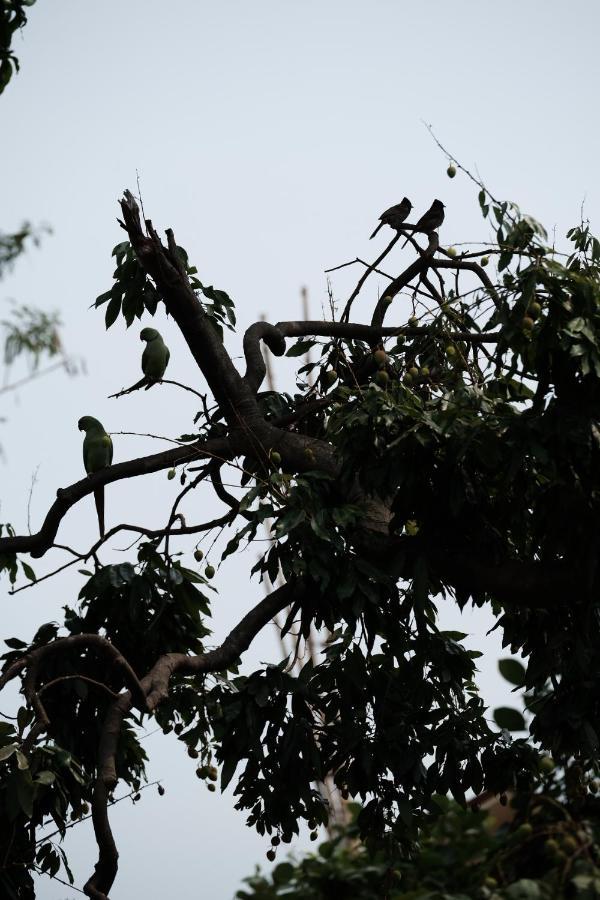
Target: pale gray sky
{"points": [[269, 135]]}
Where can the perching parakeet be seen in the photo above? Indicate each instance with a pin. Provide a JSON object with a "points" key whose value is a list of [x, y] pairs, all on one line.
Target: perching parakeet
{"points": [[155, 357], [97, 454]]}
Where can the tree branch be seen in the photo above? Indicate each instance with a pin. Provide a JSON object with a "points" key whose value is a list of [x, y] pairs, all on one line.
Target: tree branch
{"points": [[37, 544]]}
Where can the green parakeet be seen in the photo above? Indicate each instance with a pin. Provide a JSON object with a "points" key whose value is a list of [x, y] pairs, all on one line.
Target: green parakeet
{"points": [[155, 357], [97, 454]]}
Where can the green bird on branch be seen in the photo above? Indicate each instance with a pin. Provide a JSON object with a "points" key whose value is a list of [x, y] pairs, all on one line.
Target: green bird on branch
{"points": [[97, 454], [155, 360]]}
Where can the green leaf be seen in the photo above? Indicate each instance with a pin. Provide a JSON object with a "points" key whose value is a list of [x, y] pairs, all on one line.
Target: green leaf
{"points": [[300, 348], [6, 752], [15, 644], [45, 777], [283, 873], [112, 311], [513, 671], [29, 573], [508, 718]]}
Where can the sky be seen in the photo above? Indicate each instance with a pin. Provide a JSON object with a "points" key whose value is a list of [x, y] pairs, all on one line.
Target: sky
{"points": [[270, 136]]}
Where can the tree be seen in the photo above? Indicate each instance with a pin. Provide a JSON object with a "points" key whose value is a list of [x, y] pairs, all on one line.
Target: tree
{"points": [[13, 16], [451, 457], [537, 845]]}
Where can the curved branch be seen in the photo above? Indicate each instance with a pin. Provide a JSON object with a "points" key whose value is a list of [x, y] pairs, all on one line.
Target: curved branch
{"points": [[33, 658], [256, 369], [156, 685], [469, 266]]}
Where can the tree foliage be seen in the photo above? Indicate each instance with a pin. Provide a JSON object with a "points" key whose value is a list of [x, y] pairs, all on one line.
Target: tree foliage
{"points": [[13, 16], [451, 456]]}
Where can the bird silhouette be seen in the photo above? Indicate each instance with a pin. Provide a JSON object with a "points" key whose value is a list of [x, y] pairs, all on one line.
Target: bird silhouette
{"points": [[394, 216], [429, 221]]}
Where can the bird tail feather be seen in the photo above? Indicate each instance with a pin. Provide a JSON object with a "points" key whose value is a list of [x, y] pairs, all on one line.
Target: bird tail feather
{"points": [[99, 500], [377, 229]]}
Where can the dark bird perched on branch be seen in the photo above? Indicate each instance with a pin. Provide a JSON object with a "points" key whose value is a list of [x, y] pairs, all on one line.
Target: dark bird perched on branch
{"points": [[394, 216], [430, 220]]}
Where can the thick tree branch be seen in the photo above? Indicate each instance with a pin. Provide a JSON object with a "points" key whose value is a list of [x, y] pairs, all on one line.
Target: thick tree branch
{"points": [[256, 369], [164, 266], [156, 686], [37, 544]]}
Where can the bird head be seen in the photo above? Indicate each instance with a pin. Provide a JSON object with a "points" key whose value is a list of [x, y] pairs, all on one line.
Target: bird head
{"points": [[438, 203], [149, 334], [87, 422]]}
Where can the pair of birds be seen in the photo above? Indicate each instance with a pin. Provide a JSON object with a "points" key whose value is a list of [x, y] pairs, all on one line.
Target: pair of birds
{"points": [[97, 444], [396, 215]]}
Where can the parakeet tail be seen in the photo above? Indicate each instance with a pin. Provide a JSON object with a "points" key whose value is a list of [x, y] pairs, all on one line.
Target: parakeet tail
{"points": [[381, 224], [99, 500]]}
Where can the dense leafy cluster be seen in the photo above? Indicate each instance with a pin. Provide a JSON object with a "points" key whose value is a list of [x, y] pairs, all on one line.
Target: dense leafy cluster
{"points": [[133, 293], [13, 16], [463, 854]]}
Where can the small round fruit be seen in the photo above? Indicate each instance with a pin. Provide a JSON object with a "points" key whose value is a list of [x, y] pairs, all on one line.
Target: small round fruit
{"points": [[412, 321], [451, 171], [85, 809], [413, 371], [525, 829], [311, 824], [213, 773], [387, 301], [382, 378], [425, 372], [331, 376], [198, 555], [547, 765], [276, 840], [201, 773], [535, 309], [171, 474], [192, 753], [178, 728], [527, 323], [211, 788], [209, 571], [380, 357], [594, 786], [271, 855], [308, 454], [451, 351], [161, 791], [569, 844], [314, 835], [484, 260], [407, 378], [451, 251], [490, 882], [275, 458], [551, 845]]}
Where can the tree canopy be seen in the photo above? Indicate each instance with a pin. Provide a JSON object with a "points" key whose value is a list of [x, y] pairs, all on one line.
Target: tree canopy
{"points": [[443, 450]]}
